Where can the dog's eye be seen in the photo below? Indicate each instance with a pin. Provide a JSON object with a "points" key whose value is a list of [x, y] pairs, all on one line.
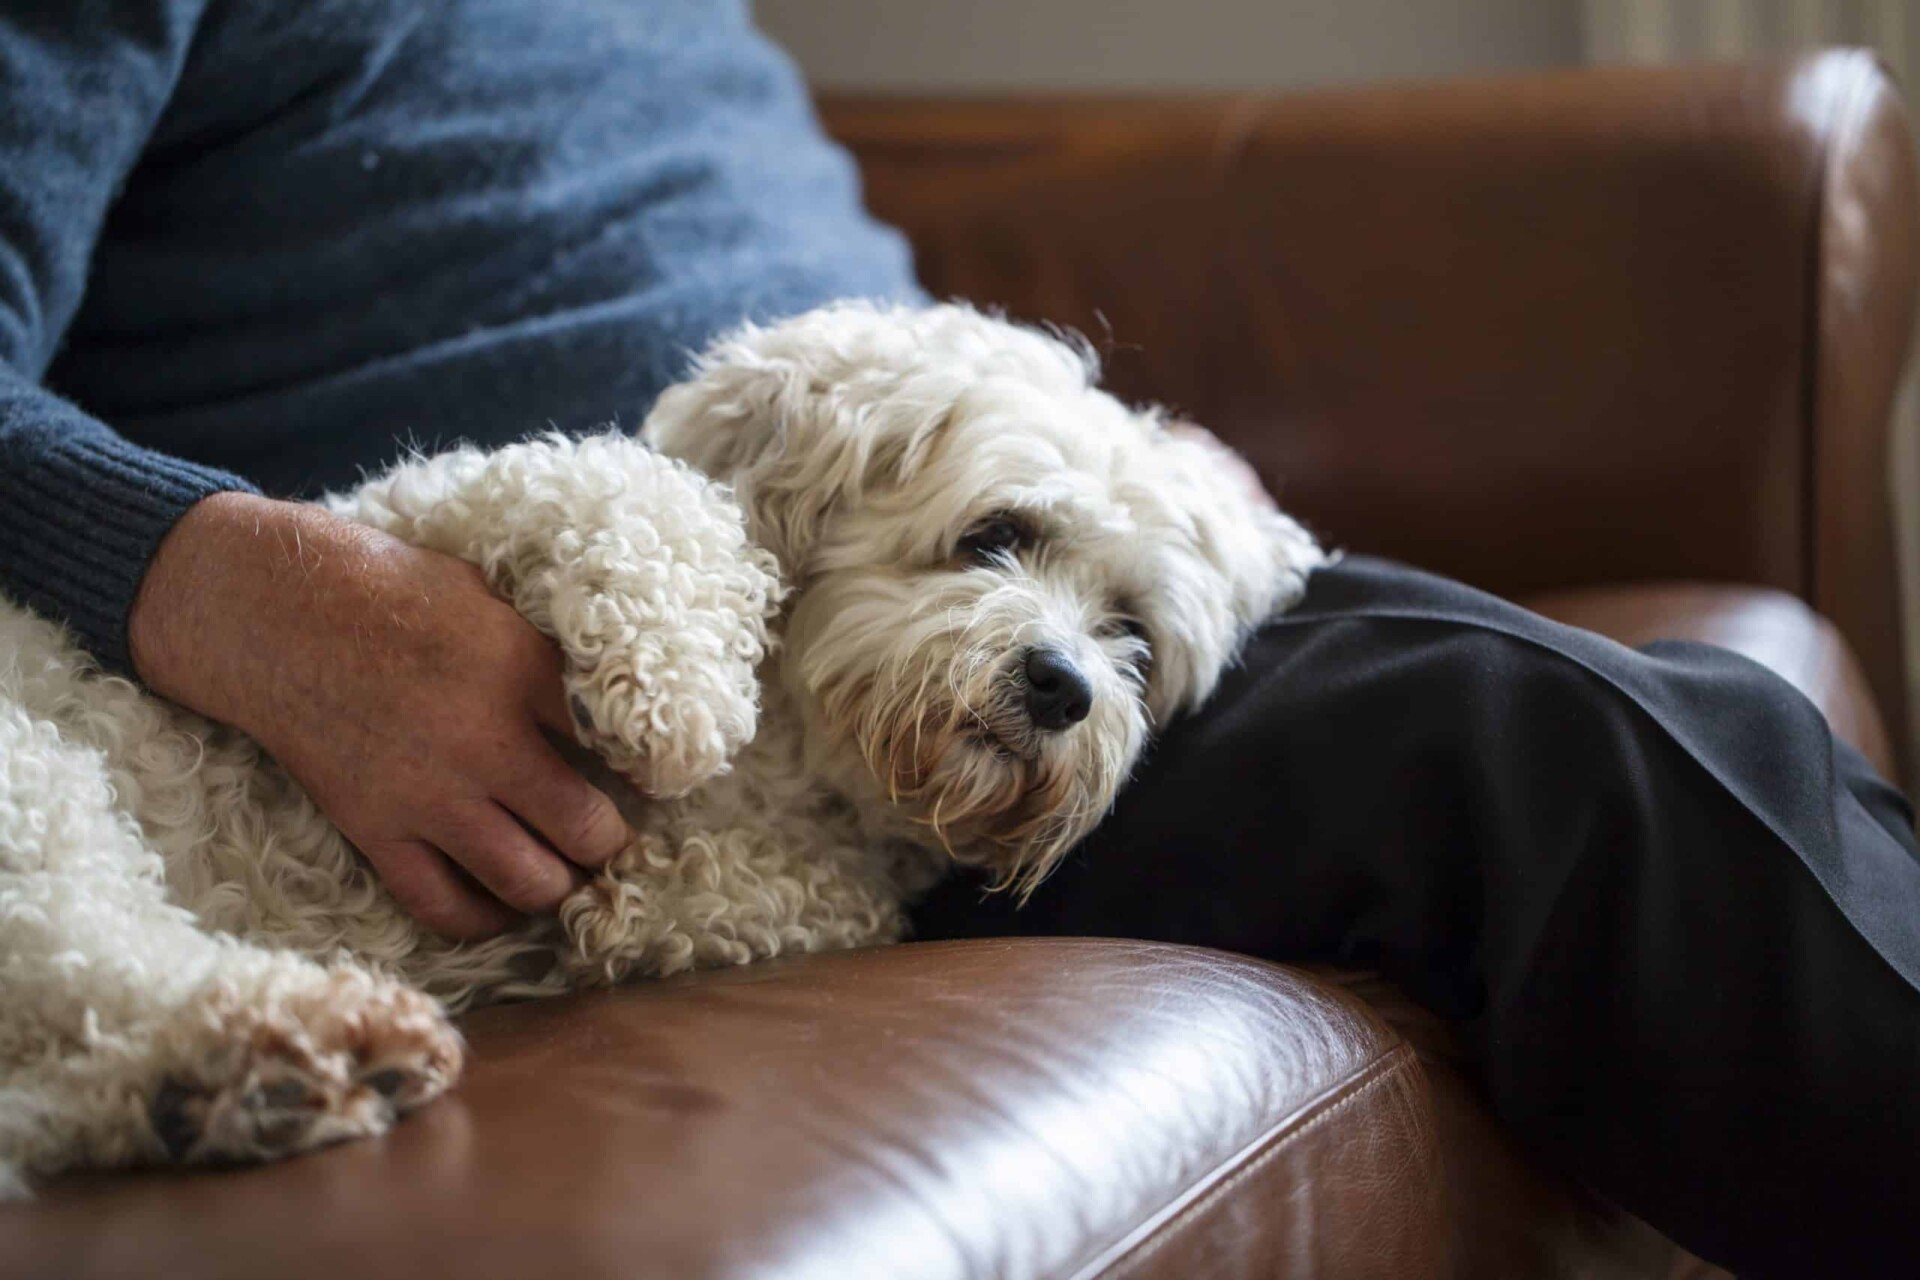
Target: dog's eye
{"points": [[1132, 628], [991, 539]]}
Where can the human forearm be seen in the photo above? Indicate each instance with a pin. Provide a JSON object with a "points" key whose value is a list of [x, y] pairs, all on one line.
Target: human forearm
{"points": [[81, 508], [82, 512]]}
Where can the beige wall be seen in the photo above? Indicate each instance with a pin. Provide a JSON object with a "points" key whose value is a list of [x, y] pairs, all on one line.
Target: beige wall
{"points": [[1165, 44], [1667, 30]]}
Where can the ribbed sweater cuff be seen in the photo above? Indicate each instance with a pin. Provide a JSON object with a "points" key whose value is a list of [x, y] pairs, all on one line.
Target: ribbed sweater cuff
{"points": [[80, 521]]}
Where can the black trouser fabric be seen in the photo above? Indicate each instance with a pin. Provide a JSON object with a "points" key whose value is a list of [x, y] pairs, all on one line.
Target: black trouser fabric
{"points": [[1677, 923]]}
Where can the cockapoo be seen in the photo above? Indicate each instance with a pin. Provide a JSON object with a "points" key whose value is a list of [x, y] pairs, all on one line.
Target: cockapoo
{"points": [[884, 590]]}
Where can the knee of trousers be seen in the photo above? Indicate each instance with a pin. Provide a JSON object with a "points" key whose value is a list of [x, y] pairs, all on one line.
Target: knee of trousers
{"points": [[1518, 742], [1563, 686]]}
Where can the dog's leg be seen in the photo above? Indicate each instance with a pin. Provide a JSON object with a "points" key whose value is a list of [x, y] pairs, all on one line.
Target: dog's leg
{"points": [[636, 565], [127, 1033], [711, 899]]}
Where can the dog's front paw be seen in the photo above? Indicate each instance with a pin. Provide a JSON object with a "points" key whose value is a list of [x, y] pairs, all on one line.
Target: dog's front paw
{"points": [[260, 1072], [663, 610], [667, 713]]}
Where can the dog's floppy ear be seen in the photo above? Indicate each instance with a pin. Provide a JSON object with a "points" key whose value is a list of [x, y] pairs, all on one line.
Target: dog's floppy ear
{"points": [[1238, 472], [804, 416], [801, 417], [1269, 563], [751, 422]]}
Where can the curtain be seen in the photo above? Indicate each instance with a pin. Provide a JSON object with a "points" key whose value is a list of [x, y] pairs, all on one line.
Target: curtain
{"points": [[1687, 30]]}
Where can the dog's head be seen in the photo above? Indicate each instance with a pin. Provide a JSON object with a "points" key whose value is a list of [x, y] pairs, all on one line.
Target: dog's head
{"points": [[1004, 577]]}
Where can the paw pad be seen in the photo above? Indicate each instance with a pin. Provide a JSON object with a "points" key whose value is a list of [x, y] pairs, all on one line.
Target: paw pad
{"points": [[172, 1120], [340, 1059]]}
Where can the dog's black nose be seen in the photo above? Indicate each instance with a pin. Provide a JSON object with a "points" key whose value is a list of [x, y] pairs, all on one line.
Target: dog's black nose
{"points": [[1057, 694]]}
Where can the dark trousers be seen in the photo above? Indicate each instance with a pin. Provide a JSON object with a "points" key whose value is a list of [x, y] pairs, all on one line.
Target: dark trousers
{"points": [[1675, 921]]}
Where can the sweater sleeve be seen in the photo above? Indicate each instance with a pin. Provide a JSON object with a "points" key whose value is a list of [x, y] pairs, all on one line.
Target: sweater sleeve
{"points": [[82, 510]]}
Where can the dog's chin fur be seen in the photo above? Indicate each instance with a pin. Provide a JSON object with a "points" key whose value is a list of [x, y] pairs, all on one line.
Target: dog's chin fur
{"points": [[781, 623], [917, 684]]}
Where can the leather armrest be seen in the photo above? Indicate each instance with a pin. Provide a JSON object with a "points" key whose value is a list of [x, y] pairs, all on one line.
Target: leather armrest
{"points": [[1864, 272], [928, 1112], [1770, 627]]}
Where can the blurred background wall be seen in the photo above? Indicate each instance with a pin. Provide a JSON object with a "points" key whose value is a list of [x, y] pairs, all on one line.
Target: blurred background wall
{"points": [[961, 45], [1165, 44], [1660, 30]]}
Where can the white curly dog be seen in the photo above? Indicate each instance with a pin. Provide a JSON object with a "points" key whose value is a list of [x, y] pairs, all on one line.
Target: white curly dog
{"points": [[891, 589]]}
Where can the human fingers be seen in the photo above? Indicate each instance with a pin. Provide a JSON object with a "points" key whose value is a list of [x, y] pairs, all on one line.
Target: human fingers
{"points": [[432, 890], [574, 816], [506, 858]]}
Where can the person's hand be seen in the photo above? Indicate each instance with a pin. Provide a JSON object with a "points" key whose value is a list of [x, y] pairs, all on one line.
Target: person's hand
{"points": [[395, 687]]}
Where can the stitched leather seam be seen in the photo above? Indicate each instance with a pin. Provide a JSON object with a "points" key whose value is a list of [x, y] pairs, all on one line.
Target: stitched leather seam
{"points": [[1248, 1162]]}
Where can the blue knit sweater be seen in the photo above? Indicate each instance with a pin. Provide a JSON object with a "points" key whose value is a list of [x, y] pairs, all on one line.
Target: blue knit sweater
{"points": [[267, 242]]}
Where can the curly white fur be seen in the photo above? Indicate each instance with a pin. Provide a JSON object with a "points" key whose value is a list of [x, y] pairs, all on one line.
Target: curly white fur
{"points": [[195, 965]]}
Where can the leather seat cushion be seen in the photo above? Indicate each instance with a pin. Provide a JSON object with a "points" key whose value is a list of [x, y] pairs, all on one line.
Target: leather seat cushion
{"points": [[1005, 1109]]}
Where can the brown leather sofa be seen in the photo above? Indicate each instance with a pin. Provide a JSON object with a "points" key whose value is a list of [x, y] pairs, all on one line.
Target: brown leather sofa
{"points": [[1623, 344]]}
